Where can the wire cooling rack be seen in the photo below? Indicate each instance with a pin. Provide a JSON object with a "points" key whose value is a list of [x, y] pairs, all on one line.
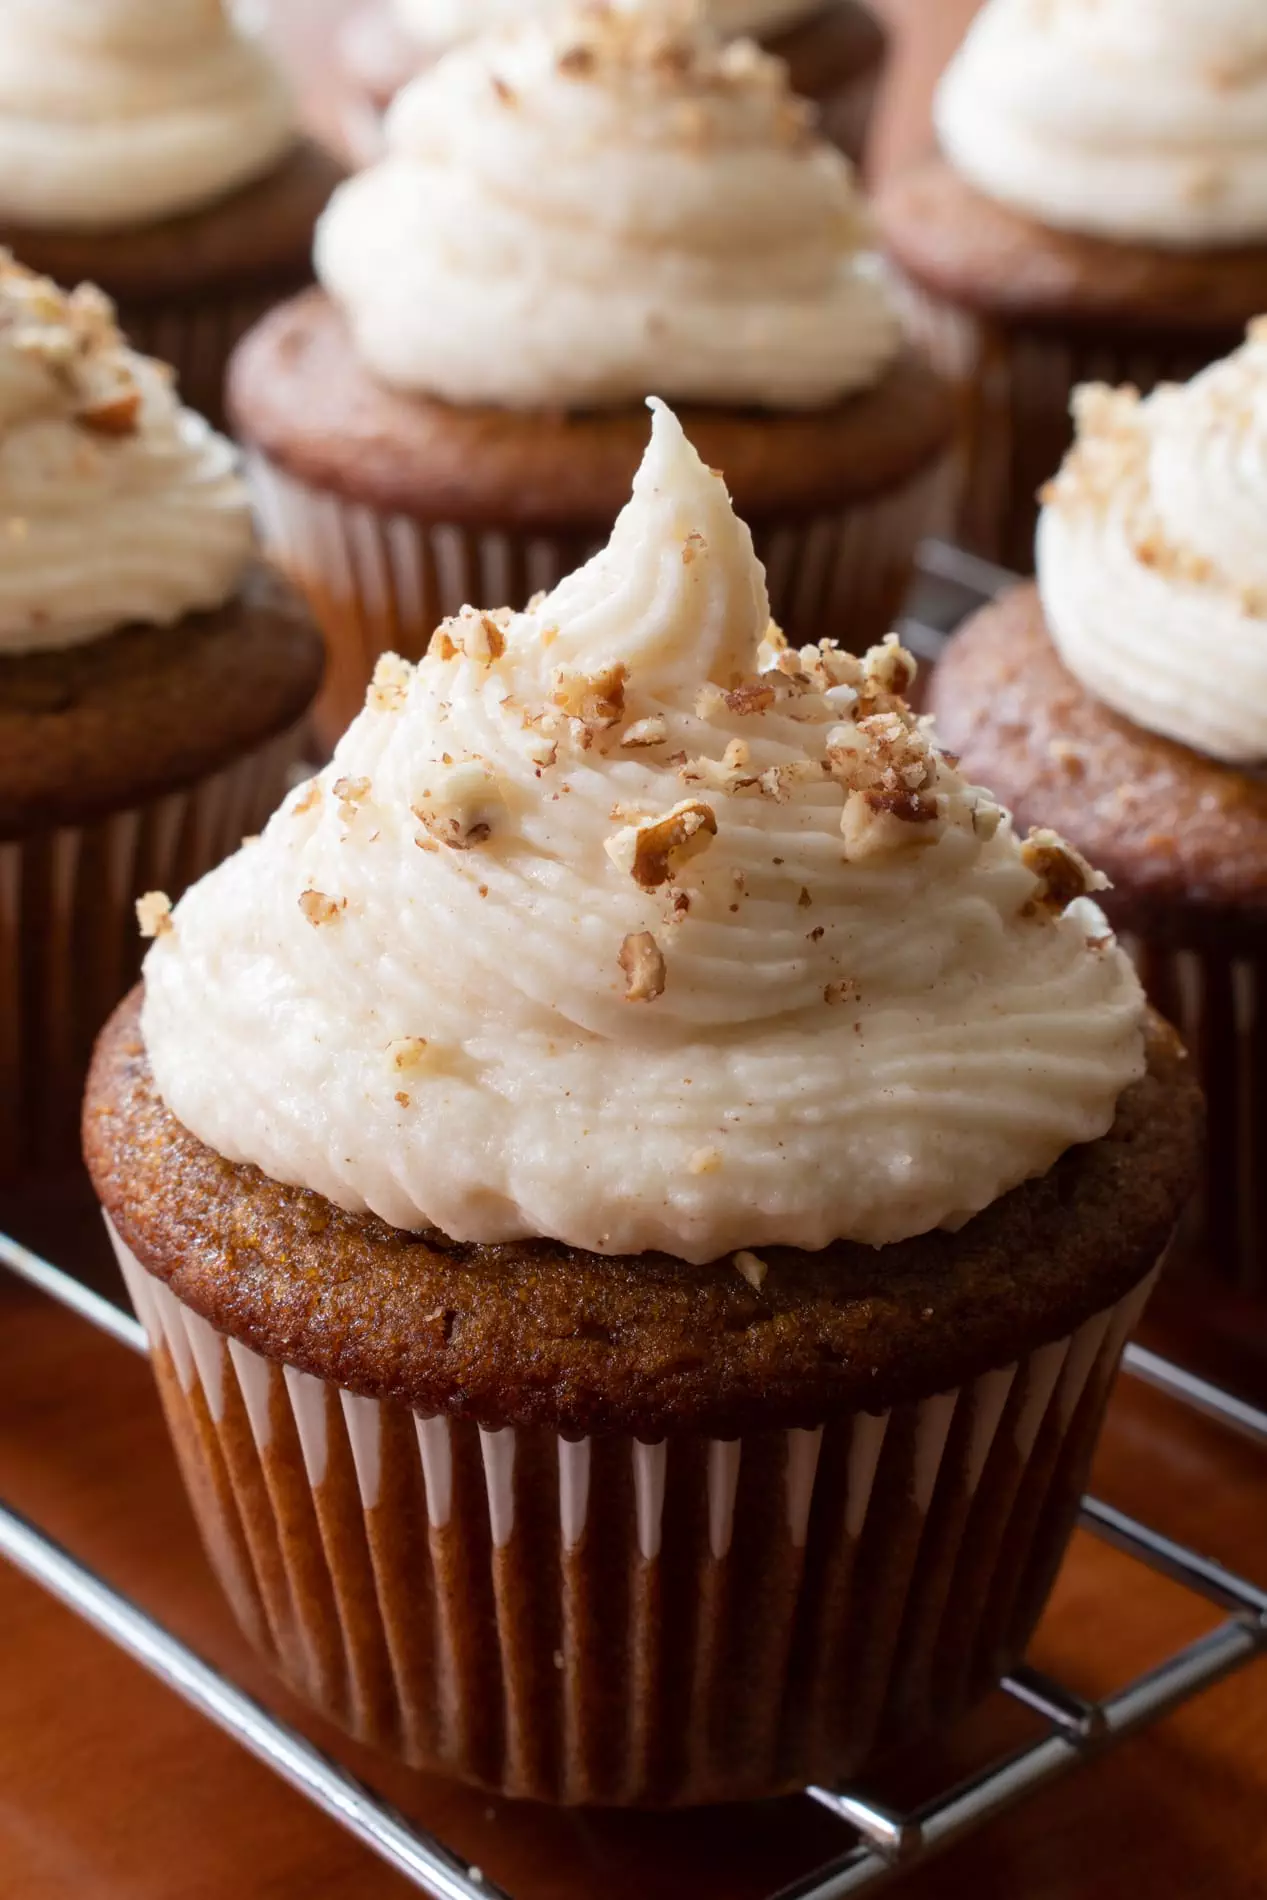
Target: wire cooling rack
{"points": [[883, 1843]]}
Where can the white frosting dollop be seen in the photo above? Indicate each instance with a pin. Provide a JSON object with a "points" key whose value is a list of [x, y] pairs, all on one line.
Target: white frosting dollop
{"points": [[575, 212], [121, 112], [1152, 554], [438, 25], [594, 931], [116, 505], [1142, 123]]}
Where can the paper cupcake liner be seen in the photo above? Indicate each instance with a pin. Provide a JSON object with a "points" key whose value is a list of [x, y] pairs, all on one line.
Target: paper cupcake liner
{"points": [[198, 337], [1015, 386], [70, 948], [606, 1621], [383, 582], [1218, 1003]]}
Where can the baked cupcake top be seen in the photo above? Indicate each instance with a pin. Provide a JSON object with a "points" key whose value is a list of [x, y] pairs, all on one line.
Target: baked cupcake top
{"points": [[1152, 554], [1144, 124], [615, 922], [116, 505], [582, 208], [445, 23], [121, 112]]}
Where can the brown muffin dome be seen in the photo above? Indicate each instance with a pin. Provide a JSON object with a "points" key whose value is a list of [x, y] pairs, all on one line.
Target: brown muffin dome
{"points": [[89, 729], [536, 1333], [298, 393], [1177, 833], [953, 240]]}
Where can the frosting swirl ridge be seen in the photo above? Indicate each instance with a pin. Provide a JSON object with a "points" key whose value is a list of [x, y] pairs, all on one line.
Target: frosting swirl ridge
{"points": [[1140, 124], [610, 923], [116, 504], [121, 112], [1152, 557], [573, 211]]}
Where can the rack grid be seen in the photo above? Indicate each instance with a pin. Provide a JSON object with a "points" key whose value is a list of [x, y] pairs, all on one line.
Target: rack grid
{"points": [[885, 1843]]}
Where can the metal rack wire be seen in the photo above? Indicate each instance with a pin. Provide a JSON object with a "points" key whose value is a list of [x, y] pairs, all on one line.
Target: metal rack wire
{"points": [[884, 1843]]}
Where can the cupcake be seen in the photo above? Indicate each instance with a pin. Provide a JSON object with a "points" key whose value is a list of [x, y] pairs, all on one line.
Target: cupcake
{"points": [[1099, 214], [152, 676], [834, 49], [571, 214], [153, 150], [638, 1182], [1124, 697]]}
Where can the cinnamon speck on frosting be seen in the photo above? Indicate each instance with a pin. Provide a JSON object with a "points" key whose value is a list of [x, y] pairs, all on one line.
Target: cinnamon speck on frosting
{"points": [[642, 963], [154, 914]]}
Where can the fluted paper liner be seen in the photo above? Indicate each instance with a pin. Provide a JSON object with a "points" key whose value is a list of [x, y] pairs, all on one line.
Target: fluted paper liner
{"points": [[198, 337], [602, 1620], [383, 582], [1015, 385], [70, 948], [1217, 1001]]}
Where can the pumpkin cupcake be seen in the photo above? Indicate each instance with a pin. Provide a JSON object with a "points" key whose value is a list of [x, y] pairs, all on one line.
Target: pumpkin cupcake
{"points": [[1099, 212], [1124, 698], [835, 52], [571, 214], [152, 677], [638, 1182], [154, 150]]}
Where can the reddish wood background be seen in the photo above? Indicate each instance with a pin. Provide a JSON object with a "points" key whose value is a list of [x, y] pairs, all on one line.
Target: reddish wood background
{"points": [[110, 1788]]}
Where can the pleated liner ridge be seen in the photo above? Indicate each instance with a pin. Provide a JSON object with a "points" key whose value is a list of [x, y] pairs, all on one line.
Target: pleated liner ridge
{"points": [[382, 583], [1218, 1002], [1014, 385], [611, 1622], [70, 948]]}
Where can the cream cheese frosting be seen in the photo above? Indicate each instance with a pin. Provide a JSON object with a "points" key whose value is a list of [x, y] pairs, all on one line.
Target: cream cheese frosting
{"points": [[576, 211], [617, 922], [1152, 554], [440, 24], [1138, 123], [121, 112], [116, 505]]}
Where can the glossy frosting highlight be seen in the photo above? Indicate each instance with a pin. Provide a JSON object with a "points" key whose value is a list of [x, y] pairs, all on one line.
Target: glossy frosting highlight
{"points": [[1141, 123], [116, 504], [616, 922], [121, 112], [577, 211], [1152, 555]]}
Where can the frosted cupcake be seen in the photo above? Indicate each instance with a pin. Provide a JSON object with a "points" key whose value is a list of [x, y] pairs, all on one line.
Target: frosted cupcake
{"points": [[834, 49], [1099, 212], [638, 1182], [153, 149], [571, 214], [1125, 699], [152, 676]]}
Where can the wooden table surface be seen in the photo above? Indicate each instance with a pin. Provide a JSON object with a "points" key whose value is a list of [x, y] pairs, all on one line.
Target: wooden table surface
{"points": [[110, 1788]]}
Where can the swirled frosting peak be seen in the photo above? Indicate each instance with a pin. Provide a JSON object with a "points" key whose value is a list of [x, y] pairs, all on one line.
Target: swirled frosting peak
{"points": [[121, 112], [116, 504], [1152, 554], [440, 24], [584, 207], [617, 922], [1141, 123]]}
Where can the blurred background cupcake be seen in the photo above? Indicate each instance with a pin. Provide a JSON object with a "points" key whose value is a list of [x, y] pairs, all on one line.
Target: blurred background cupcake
{"points": [[570, 214], [152, 679], [153, 149], [702, 1168], [1099, 212], [1124, 699], [835, 50]]}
